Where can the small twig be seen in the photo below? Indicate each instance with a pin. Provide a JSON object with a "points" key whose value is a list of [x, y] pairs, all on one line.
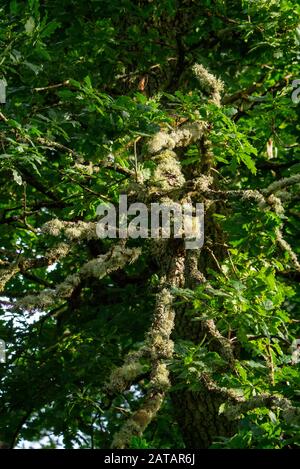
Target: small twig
{"points": [[135, 160], [3, 117], [59, 146], [216, 260], [50, 87], [232, 264], [24, 202], [97, 194], [271, 364]]}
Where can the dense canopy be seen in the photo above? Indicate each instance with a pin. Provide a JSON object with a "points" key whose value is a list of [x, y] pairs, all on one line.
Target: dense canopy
{"points": [[140, 342]]}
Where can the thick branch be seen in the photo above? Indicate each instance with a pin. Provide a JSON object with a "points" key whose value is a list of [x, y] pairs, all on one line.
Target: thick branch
{"points": [[116, 258]]}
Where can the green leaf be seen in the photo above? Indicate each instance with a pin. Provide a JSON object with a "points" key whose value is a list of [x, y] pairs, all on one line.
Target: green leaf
{"points": [[17, 177], [30, 25]]}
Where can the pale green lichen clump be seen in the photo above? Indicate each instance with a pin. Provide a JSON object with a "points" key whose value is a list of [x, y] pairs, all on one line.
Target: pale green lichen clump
{"points": [[181, 137], [209, 83], [136, 424], [127, 373], [167, 174], [51, 256], [72, 230], [158, 341], [161, 381], [203, 182]]}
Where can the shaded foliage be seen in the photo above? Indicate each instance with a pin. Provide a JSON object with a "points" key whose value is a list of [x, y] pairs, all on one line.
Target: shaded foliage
{"points": [[88, 84]]}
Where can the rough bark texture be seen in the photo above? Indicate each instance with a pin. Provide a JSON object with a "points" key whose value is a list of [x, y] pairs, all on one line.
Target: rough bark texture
{"points": [[198, 411], [199, 419]]}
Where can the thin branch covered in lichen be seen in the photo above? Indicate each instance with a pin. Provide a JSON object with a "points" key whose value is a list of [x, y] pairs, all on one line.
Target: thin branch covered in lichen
{"points": [[285, 246], [103, 265], [281, 184], [22, 265], [6, 274], [158, 347], [121, 378], [72, 230], [138, 422], [290, 413]]}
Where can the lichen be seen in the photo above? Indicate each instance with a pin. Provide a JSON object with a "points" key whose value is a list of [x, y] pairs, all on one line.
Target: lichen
{"points": [[72, 230], [209, 83], [136, 425], [203, 183], [180, 137], [33, 302], [167, 177], [6, 274], [116, 258], [121, 377], [167, 174], [160, 381], [254, 195], [88, 169]]}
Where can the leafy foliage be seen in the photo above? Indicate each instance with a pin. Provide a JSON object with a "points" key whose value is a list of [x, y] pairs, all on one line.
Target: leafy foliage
{"points": [[87, 84]]}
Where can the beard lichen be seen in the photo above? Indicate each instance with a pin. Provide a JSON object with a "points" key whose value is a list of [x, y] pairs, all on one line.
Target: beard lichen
{"points": [[138, 422]]}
